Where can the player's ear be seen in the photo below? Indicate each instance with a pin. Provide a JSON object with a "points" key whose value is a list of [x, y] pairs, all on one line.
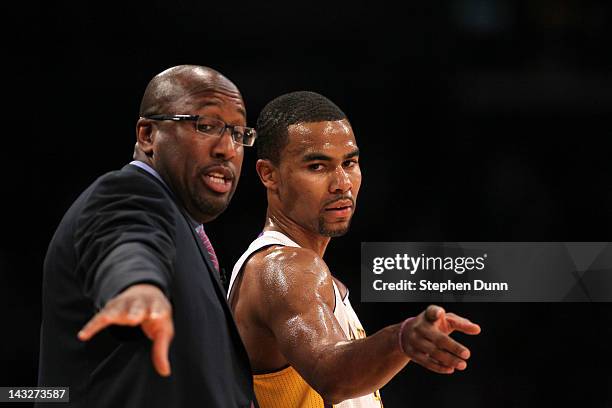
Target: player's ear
{"points": [[144, 136], [268, 173]]}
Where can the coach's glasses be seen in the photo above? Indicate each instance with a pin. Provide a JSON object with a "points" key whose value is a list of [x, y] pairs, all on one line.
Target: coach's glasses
{"points": [[242, 135]]}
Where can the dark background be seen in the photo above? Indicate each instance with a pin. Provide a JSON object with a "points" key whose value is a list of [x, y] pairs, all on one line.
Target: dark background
{"points": [[477, 120]]}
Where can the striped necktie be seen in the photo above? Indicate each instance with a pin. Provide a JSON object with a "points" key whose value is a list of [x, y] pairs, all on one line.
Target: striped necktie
{"points": [[208, 246]]}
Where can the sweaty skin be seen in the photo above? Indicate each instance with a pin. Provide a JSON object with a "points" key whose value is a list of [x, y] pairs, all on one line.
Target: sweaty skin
{"points": [[283, 302], [184, 159]]}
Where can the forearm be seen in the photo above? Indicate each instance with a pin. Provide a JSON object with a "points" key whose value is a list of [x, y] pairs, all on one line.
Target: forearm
{"points": [[354, 368]]}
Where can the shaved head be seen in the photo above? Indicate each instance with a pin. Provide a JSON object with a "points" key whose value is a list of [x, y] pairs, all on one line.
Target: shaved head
{"points": [[201, 169], [182, 81]]}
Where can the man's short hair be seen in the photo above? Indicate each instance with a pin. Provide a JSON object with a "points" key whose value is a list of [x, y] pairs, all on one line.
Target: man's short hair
{"points": [[286, 110]]}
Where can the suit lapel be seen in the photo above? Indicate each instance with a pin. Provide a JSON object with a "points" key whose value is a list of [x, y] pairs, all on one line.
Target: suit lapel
{"points": [[203, 251], [219, 290]]}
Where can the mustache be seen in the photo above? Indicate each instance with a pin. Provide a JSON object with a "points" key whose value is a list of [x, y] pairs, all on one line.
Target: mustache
{"points": [[340, 198]]}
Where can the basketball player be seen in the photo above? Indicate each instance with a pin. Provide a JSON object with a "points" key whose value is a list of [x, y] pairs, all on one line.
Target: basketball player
{"points": [[305, 343]]}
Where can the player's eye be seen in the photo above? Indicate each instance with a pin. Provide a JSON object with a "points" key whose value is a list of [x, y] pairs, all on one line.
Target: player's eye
{"points": [[349, 163]]}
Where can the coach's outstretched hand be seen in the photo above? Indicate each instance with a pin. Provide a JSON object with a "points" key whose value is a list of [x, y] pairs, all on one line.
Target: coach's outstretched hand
{"points": [[141, 305], [425, 339]]}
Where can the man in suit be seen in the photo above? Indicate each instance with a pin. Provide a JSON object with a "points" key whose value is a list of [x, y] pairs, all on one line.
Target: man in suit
{"points": [[131, 270]]}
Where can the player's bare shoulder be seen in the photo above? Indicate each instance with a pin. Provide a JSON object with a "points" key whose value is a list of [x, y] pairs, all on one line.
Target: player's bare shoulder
{"points": [[284, 272]]}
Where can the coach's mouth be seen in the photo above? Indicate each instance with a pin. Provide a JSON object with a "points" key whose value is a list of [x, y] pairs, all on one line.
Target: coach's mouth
{"points": [[218, 179]]}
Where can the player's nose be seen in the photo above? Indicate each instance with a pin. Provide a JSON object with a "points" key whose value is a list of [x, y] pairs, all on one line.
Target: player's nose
{"points": [[341, 182]]}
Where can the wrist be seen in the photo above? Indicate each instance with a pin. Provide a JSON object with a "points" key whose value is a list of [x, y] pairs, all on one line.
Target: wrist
{"points": [[401, 333]]}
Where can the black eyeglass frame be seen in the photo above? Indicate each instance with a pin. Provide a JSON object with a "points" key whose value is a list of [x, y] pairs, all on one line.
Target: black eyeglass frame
{"points": [[195, 118]]}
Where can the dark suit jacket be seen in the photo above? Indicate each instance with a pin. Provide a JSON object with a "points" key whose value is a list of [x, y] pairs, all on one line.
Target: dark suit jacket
{"points": [[127, 228]]}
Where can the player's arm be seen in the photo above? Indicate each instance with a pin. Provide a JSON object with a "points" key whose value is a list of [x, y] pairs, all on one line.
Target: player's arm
{"points": [[125, 246], [299, 311]]}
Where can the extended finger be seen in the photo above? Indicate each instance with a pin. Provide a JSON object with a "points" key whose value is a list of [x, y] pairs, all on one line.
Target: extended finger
{"points": [[160, 329], [443, 357], [161, 345], [462, 324], [444, 342], [158, 315], [425, 361], [101, 320], [419, 343]]}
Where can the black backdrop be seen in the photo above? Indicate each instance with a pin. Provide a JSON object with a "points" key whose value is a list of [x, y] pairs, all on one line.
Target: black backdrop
{"points": [[477, 120]]}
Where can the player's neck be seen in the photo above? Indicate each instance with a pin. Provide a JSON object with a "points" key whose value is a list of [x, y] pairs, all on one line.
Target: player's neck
{"points": [[300, 235]]}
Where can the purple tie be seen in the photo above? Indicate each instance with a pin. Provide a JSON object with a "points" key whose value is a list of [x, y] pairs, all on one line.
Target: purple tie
{"points": [[208, 246]]}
